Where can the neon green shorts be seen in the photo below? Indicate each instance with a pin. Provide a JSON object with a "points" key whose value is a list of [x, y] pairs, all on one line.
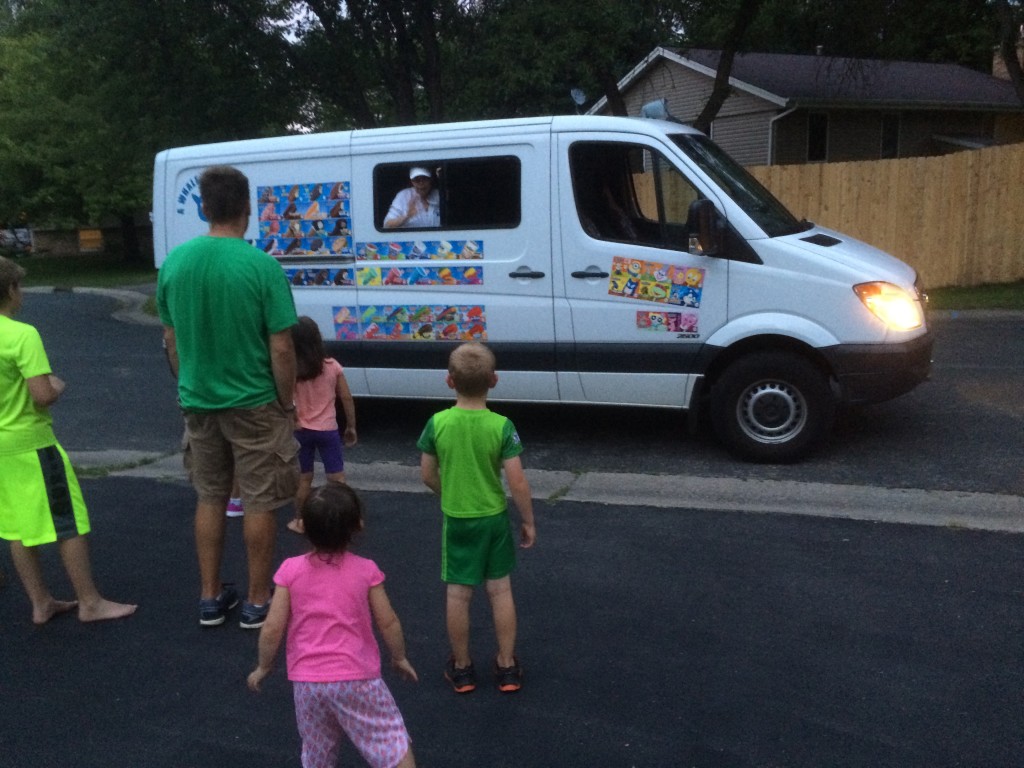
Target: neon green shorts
{"points": [[40, 499], [477, 549]]}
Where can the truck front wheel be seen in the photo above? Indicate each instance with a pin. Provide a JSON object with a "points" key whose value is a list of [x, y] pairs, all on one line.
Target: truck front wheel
{"points": [[772, 407]]}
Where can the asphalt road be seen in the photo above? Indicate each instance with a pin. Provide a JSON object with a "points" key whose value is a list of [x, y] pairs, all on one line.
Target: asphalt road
{"points": [[961, 431], [651, 636]]}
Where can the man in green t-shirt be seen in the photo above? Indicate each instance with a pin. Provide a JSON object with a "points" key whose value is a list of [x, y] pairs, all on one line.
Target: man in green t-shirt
{"points": [[465, 449], [227, 311]]}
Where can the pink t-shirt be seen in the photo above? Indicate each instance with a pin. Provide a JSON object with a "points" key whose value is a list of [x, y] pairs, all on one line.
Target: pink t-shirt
{"points": [[330, 627], [314, 399]]}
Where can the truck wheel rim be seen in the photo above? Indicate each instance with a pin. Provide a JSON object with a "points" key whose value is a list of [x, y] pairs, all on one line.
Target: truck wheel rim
{"points": [[771, 412]]}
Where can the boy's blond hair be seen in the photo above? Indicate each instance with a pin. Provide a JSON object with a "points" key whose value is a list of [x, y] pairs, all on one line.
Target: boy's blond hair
{"points": [[11, 274], [471, 366]]}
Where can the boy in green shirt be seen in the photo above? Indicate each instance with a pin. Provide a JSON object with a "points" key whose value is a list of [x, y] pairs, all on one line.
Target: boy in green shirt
{"points": [[464, 450]]}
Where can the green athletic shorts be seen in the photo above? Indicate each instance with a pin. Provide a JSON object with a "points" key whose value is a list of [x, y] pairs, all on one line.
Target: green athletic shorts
{"points": [[40, 499], [477, 549]]}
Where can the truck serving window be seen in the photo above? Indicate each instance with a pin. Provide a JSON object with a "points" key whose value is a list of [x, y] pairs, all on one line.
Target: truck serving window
{"points": [[471, 193]]}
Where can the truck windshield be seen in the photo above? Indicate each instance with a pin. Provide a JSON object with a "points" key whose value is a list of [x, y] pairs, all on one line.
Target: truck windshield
{"points": [[746, 191]]}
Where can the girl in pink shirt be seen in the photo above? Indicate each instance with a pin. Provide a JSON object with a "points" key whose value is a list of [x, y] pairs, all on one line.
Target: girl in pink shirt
{"points": [[320, 381], [328, 601]]}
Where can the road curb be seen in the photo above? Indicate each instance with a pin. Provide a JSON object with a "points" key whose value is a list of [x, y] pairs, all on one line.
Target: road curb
{"points": [[910, 506]]}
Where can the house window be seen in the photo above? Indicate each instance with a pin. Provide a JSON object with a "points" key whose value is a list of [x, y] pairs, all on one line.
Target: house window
{"points": [[817, 137], [472, 193], [890, 136]]}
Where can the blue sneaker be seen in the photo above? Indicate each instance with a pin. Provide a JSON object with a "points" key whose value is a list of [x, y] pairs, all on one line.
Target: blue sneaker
{"points": [[213, 611], [253, 616]]}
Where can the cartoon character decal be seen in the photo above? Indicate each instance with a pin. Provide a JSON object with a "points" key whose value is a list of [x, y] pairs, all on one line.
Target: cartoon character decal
{"points": [[653, 281]]}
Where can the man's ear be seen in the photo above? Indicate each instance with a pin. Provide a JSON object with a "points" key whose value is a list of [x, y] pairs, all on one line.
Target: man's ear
{"points": [[494, 381], [450, 381]]}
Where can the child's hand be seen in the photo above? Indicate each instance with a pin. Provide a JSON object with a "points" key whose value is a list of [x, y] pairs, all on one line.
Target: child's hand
{"points": [[527, 535], [256, 677], [404, 668], [350, 437]]}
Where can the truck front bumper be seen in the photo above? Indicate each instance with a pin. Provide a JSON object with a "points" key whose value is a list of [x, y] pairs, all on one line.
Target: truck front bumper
{"points": [[874, 373]]}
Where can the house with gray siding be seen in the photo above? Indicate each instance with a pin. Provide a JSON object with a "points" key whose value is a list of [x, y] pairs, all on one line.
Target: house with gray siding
{"points": [[787, 108]]}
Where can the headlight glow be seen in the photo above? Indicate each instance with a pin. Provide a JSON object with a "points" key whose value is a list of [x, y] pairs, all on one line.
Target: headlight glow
{"points": [[894, 306]]}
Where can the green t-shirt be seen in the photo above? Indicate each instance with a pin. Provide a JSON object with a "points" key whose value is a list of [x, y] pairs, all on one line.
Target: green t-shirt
{"points": [[470, 446], [24, 426], [224, 298]]}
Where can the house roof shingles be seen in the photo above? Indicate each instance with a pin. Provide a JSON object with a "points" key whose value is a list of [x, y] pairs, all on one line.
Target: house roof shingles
{"points": [[836, 81]]}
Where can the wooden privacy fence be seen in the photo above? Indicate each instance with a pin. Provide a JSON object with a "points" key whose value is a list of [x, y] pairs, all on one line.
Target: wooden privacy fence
{"points": [[958, 219]]}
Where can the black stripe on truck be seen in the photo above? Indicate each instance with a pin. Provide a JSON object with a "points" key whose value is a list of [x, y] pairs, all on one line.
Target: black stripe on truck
{"points": [[599, 357]]}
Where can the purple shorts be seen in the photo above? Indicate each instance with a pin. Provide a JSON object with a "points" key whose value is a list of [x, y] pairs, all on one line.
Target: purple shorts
{"points": [[363, 709], [327, 444]]}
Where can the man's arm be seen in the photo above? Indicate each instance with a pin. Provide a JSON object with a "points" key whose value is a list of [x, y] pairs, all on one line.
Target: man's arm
{"points": [[282, 363], [171, 349]]}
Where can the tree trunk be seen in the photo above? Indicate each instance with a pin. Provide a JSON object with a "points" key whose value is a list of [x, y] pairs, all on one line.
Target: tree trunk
{"points": [[745, 15], [616, 104], [1009, 41], [132, 250]]}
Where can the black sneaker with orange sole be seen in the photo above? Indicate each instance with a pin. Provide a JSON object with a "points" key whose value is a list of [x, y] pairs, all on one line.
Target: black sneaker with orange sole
{"points": [[463, 679], [508, 679]]}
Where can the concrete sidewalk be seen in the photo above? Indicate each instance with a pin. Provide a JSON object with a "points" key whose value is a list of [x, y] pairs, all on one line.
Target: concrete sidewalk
{"points": [[978, 511]]}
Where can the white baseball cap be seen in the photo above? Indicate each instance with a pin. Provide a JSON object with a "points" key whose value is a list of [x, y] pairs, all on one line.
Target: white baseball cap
{"points": [[417, 171]]}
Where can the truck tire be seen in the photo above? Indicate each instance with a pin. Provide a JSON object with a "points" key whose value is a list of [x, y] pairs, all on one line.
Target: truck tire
{"points": [[772, 407]]}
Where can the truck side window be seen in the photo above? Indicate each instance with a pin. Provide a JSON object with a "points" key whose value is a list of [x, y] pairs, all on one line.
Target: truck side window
{"points": [[629, 193], [469, 193]]}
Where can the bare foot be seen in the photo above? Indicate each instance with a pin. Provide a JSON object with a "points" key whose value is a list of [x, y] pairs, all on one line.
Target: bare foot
{"points": [[54, 607], [295, 524], [105, 610]]}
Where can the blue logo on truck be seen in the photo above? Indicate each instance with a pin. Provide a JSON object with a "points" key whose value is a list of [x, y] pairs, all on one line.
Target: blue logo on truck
{"points": [[188, 194]]}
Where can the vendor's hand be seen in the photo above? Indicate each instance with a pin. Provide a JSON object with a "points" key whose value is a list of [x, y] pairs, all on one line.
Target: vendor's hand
{"points": [[350, 437]]}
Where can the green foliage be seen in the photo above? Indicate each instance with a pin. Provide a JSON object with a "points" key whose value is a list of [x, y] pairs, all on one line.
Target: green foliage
{"points": [[85, 103], [91, 90]]}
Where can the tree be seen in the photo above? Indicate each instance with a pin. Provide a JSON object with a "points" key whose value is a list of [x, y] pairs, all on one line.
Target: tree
{"points": [[743, 17], [85, 104], [522, 57], [1011, 26]]}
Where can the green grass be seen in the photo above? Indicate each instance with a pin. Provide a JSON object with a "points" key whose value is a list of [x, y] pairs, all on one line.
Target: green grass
{"points": [[107, 272], [85, 272], [992, 296]]}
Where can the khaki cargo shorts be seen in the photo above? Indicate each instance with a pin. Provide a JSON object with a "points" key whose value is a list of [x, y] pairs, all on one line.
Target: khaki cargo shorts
{"points": [[255, 444]]}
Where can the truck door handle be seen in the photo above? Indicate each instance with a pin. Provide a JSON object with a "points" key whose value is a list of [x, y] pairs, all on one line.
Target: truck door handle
{"points": [[527, 273], [584, 275]]}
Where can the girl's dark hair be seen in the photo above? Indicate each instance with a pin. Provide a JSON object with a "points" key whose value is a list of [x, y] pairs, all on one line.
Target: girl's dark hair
{"points": [[309, 349], [331, 516]]}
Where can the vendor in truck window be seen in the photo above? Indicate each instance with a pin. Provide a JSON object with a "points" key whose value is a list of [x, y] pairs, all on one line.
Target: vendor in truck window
{"points": [[418, 205]]}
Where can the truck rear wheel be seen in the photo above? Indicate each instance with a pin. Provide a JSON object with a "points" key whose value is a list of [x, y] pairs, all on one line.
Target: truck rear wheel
{"points": [[772, 407]]}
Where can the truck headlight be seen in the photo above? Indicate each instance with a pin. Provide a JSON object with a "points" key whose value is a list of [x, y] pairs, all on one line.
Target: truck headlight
{"points": [[894, 306]]}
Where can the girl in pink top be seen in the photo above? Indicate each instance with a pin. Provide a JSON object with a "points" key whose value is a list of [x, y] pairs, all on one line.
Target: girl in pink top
{"points": [[328, 601], [320, 381]]}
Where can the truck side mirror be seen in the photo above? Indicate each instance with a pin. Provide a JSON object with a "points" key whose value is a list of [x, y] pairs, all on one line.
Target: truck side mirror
{"points": [[705, 228]]}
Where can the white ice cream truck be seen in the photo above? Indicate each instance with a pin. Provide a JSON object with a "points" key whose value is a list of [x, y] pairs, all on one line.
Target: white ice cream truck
{"points": [[605, 260]]}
